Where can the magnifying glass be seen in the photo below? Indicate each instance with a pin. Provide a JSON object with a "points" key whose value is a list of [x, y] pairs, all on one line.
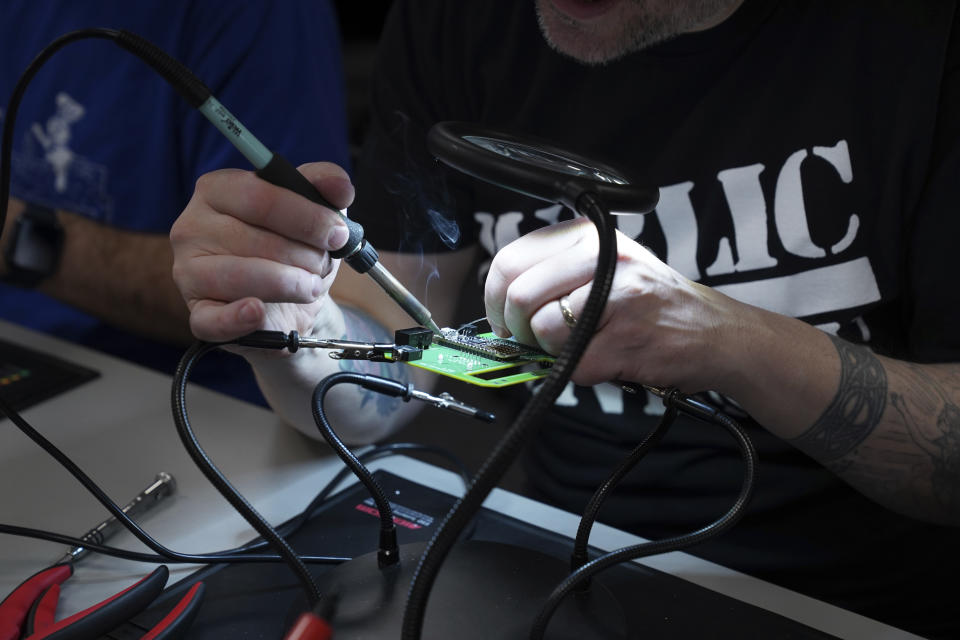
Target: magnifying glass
{"points": [[535, 167], [538, 169]]}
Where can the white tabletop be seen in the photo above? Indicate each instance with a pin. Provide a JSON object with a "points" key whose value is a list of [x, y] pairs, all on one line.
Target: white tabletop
{"points": [[118, 428]]}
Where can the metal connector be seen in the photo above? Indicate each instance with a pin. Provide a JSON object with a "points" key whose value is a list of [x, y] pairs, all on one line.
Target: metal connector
{"points": [[687, 404], [370, 351], [414, 308], [162, 487], [448, 402]]}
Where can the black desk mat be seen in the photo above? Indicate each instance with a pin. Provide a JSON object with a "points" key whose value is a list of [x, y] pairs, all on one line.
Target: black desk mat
{"points": [[262, 600], [28, 377]]}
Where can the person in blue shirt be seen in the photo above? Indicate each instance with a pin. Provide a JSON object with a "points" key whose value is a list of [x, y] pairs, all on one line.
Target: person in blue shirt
{"points": [[107, 152]]}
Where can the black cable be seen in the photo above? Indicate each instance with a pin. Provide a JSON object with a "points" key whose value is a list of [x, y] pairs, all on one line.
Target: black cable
{"points": [[390, 449], [387, 553], [73, 541], [523, 426], [182, 80], [115, 510], [579, 556], [242, 554], [219, 481], [378, 451], [6, 147], [654, 547], [217, 557]]}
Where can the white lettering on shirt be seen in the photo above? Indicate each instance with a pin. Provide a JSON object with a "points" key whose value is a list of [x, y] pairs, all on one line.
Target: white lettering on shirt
{"points": [[817, 290]]}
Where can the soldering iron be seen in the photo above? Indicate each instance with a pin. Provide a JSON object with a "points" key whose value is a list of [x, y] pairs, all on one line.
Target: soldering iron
{"points": [[270, 166]]}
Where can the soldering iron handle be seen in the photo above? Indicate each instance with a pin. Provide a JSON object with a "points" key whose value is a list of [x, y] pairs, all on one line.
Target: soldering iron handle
{"points": [[277, 170], [283, 174]]}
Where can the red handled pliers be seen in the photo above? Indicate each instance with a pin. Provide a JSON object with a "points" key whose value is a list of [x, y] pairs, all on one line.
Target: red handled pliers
{"points": [[28, 612]]}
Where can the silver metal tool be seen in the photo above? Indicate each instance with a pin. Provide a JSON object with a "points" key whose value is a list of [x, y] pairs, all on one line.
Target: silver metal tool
{"points": [[162, 486], [414, 308], [372, 351], [448, 402]]}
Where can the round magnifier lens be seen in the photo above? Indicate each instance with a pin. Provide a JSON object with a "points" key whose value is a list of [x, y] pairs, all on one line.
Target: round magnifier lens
{"points": [[542, 158], [535, 167]]}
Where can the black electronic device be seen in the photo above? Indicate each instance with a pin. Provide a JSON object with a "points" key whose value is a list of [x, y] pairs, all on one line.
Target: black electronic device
{"points": [[28, 377], [263, 600]]}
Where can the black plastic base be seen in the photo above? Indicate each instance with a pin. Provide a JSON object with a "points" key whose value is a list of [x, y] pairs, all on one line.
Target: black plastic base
{"points": [[263, 600], [484, 590]]}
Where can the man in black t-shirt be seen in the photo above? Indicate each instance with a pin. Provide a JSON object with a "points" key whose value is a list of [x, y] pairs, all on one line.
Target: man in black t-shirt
{"points": [[797, 265]]}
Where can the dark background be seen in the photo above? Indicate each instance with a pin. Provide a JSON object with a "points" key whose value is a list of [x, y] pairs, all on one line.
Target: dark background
{"points": [[360, 25]]}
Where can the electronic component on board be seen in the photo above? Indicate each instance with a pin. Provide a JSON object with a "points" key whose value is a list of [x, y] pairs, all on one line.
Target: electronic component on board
{"points": [[416, 337], [487, 345], [481, 359]]}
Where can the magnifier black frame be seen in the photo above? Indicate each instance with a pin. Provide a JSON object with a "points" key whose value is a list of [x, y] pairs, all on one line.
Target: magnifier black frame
{"points": [[449, 142]]}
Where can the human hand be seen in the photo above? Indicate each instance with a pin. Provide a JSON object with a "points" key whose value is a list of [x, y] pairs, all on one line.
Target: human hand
{"points": [[657, 328], [249, 255]]}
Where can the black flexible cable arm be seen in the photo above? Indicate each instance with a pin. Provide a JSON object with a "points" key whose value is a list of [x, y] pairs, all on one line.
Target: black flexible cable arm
{"points": [[388, 551], [379, 451], [523, 426], [655, 547], [218, 480], [397, 448], [579, 556]]}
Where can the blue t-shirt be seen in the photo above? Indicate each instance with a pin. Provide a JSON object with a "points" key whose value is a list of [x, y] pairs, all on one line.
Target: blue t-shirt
{"points": [[100, 134]]}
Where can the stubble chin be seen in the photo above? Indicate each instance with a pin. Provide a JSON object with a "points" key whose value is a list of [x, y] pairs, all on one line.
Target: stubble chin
{"points": [[585, 43], [629, 27]]}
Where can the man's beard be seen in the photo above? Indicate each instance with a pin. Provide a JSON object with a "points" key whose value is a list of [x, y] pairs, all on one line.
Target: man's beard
{"points": [[641, 24]]}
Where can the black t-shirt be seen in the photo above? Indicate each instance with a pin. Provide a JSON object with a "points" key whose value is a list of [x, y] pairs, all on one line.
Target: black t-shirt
{"points": [[807, 158]]}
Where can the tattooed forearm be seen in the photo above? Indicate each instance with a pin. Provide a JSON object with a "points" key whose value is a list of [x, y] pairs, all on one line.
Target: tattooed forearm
{"points": [[892, 431], [361, 327], [855, 411], [936, 431], [946, 471]]}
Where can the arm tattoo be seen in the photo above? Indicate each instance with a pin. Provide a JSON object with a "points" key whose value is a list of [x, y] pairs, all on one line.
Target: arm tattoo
{"points": [[937, 437], [363, 328], [916, 468], [854, 412]]}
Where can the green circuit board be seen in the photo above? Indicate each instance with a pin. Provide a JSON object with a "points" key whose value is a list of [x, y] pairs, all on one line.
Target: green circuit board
{"points": [[484, 359]]}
